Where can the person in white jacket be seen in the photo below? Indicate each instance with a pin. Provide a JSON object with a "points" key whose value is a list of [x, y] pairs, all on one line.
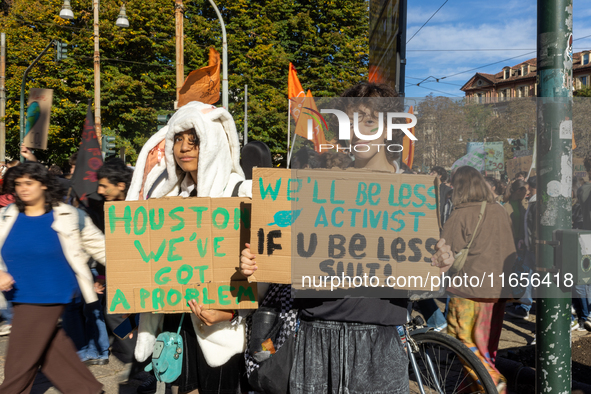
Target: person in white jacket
{"points": [[44, 247], [196, 154]]}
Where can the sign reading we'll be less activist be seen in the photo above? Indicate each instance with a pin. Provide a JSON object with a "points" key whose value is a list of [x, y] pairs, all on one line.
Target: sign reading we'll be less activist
{"points": [[161, 253], [318, 223]]}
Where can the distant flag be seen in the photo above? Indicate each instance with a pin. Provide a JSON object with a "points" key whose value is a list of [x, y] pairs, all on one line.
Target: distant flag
{"points": [[408, 146], [574, 144], [533, 157], [295, 93], [319, 125], [90, 159], [203, 84]]}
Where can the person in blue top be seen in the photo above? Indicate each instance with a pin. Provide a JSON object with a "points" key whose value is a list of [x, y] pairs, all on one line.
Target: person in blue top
{"points": [[44, 248]]}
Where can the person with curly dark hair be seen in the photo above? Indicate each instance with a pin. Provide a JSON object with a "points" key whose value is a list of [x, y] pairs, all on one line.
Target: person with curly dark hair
{"points": [[114, 178], [44, 247]]}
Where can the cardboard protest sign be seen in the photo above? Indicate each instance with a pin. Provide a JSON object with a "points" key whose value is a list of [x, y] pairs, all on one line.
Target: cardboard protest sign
{"points": [[476, 159], [495, 157], [163, 252], [37, 121], [579, 169], [519, 164], [309, 224], [471, 146]]}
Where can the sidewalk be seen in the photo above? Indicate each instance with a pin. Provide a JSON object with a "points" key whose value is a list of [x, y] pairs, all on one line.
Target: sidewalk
{"points": [[111, 376], [516, 335]]}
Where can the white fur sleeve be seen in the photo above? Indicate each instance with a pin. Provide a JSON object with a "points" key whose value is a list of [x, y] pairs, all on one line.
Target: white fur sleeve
{"points": [[150, 325], [245, 189]]}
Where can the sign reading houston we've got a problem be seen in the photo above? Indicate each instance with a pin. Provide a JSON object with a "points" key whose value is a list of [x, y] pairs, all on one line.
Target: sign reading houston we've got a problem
{"points": [[162, 253], [309, 225]]}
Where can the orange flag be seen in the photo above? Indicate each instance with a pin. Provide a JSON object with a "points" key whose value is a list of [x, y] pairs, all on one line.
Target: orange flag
{"points": [[408, 146], [319, 125], [295, 93], [574, 143], [204, 84]]}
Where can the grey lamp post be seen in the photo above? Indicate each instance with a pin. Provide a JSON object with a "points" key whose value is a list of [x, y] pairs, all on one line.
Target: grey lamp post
{"points": [[224, 57], [66, 13]]}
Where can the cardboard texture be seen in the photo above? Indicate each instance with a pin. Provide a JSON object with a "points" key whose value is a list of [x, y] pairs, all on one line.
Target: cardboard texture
{"points": [[519, 164], [313, 223], [37, 120], [163, 252]]}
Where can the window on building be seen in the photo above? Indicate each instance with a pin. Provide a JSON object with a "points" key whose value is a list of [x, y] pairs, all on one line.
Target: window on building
{"points": [[507, 73], [583, 81], [524, 70], [585, 59], [479, 98]]}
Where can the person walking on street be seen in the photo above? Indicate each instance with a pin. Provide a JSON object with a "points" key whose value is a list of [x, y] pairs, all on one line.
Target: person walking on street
{"points": [[40, 280], [475, 315]]}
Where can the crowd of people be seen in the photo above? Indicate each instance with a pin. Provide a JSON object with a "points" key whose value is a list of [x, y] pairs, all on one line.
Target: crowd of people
{"points": [[52, 295]]}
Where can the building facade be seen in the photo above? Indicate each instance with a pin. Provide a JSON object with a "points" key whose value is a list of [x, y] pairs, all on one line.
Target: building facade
{"points": [[520, 80]]}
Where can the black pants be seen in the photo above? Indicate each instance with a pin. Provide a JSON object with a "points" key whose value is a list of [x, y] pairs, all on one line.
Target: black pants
{"points": [[337, 357]]}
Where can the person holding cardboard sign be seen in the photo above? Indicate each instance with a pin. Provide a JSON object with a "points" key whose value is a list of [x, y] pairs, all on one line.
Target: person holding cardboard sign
{"points": [[196, 154], [42, 279], [349, 344]]}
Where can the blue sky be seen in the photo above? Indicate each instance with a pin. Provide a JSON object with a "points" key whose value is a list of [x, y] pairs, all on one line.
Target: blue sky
{"points": [[474, 24]]}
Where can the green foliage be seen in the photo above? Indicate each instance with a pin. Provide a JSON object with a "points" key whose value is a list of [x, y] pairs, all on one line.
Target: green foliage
{"points": [[325, 40], [584, 92]]}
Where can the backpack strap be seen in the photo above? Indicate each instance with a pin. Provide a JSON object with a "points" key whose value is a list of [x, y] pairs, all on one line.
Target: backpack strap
{"points": [[236, 188], [178, 331], [480, 215]]}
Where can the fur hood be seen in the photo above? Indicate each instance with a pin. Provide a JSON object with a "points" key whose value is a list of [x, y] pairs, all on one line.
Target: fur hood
{"points": [[156, 173]]}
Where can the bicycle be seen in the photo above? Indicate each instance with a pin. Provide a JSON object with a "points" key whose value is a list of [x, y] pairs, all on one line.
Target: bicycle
{"points": [[442, 364]]}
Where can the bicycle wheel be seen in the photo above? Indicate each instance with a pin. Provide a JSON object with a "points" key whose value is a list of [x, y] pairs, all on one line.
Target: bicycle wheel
{"points": [[445, 365]]}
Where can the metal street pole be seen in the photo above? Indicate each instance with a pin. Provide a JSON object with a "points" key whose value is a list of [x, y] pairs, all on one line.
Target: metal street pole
{"points": [[224, 57], [22, 111], [97, 73], [402, 47], [2, 98], [245, 139], [180, 64], [554, 164]]}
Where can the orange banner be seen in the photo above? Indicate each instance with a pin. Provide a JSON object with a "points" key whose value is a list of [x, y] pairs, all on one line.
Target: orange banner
{"points": [[204, 84], [319, 125], [295, 93]]}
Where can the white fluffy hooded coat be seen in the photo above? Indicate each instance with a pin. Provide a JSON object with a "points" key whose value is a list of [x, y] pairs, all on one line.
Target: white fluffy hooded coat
{"points": [[217, 174]]}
